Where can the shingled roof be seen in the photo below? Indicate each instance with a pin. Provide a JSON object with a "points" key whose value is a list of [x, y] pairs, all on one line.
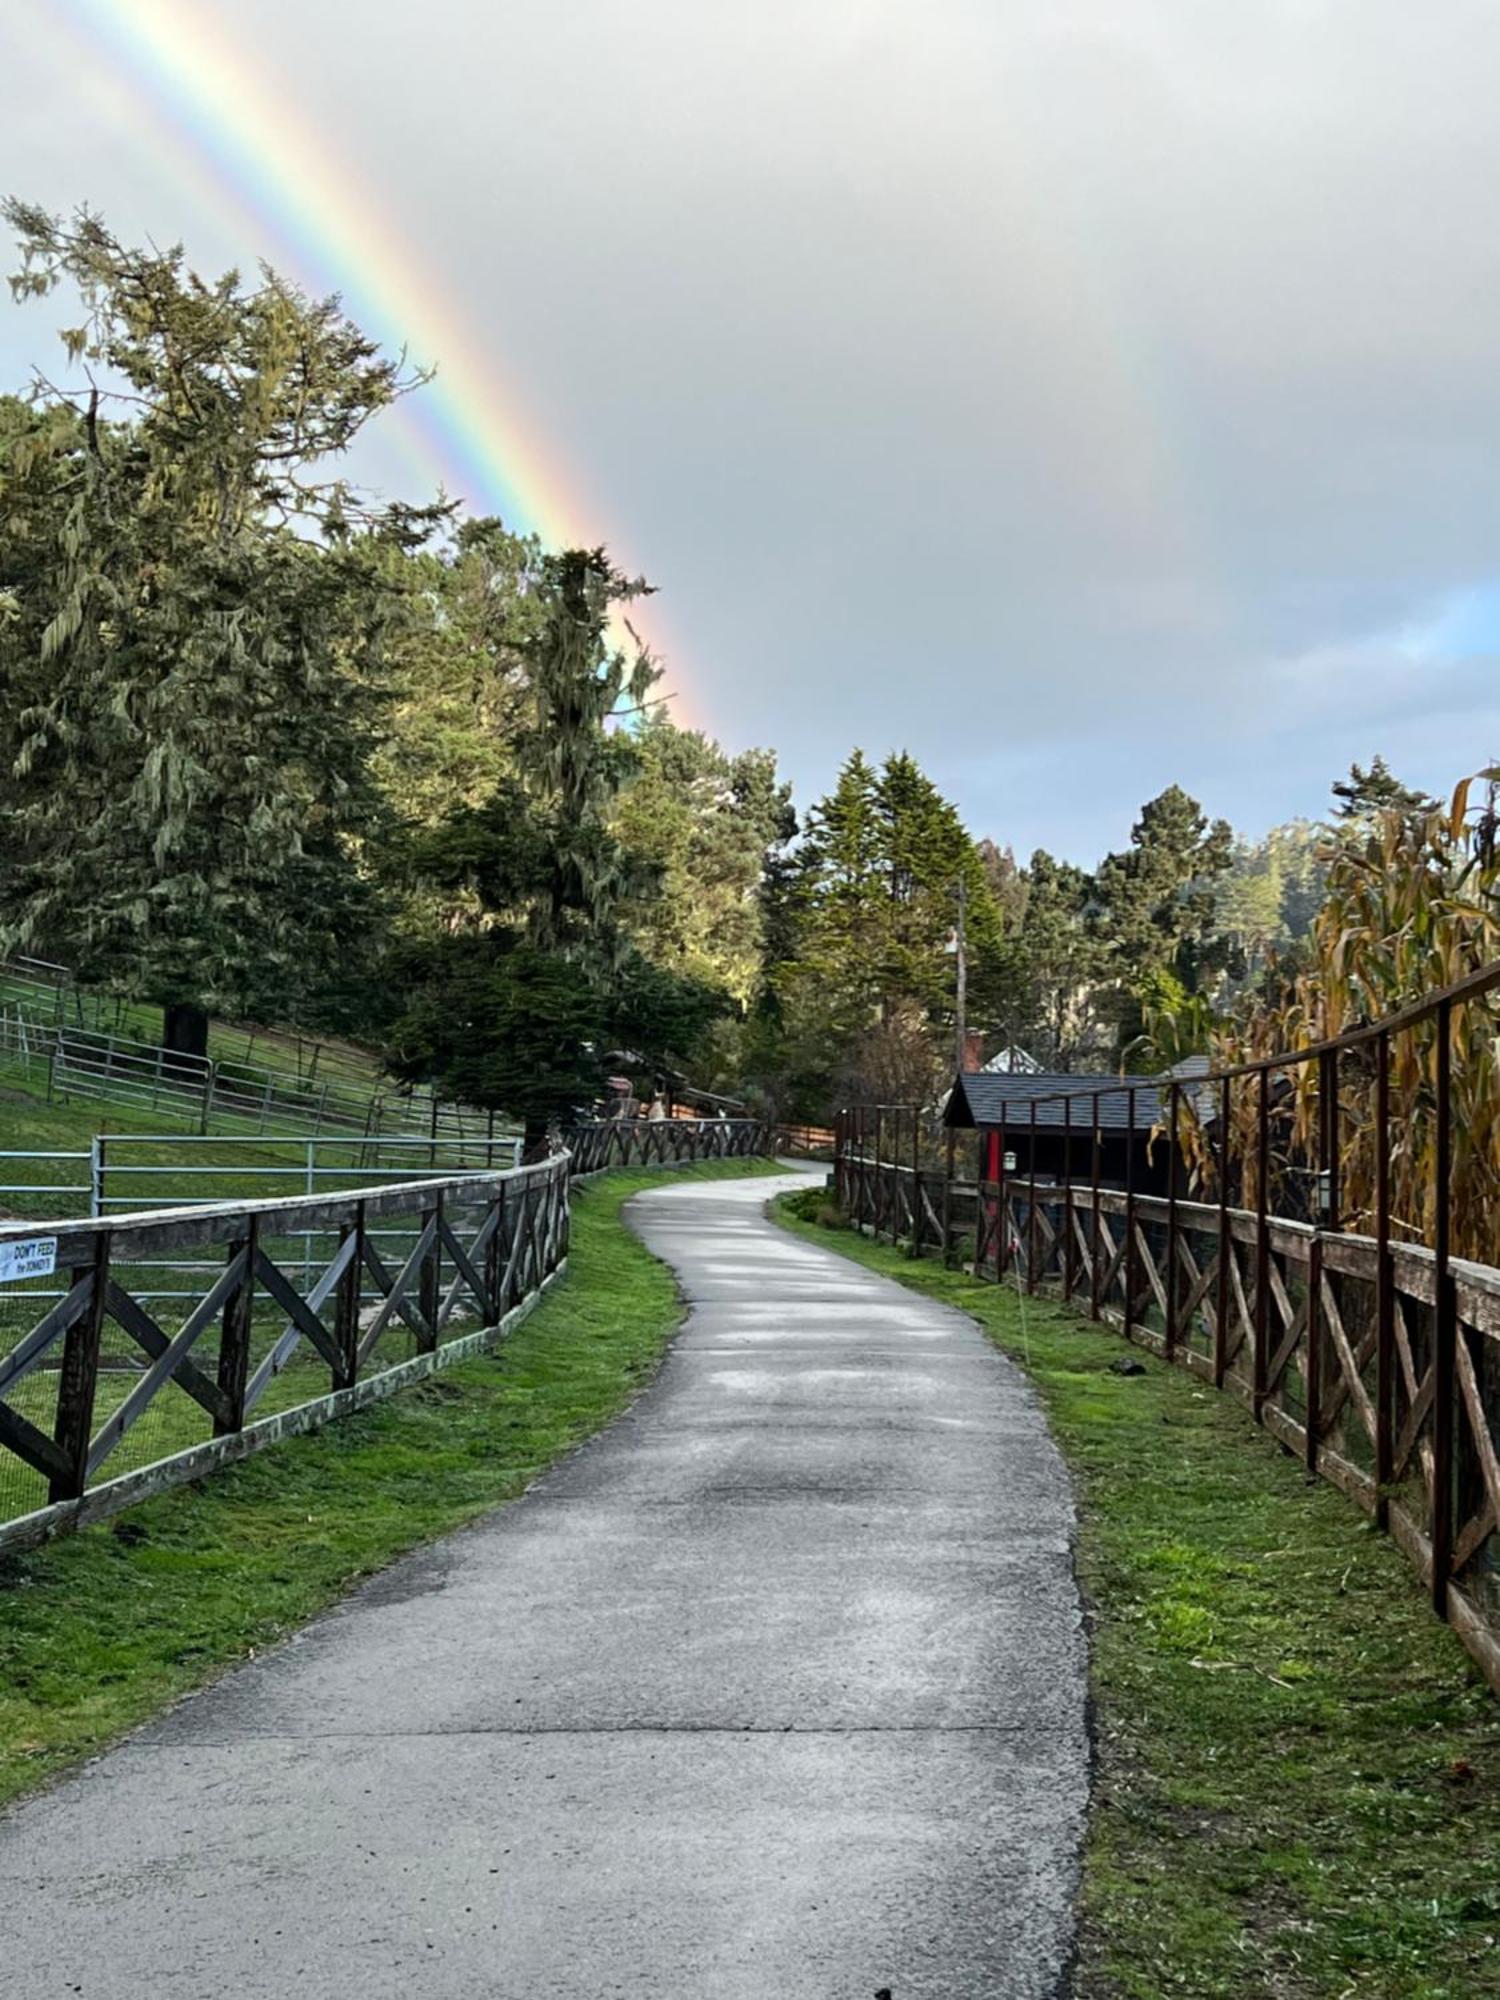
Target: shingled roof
{"points": [[985, 1097]]}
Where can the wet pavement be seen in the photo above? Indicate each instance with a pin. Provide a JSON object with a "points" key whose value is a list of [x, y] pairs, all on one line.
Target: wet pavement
{"points": [[775, 1688]]}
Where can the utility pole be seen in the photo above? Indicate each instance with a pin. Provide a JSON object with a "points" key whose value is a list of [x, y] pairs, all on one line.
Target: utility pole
{"points": [[961, 995]]}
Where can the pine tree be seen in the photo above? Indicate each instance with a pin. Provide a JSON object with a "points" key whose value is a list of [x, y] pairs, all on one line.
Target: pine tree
{"points": [[874, 913], [1059, 963], [708, 823], [520, 1005], [193, 658], [1155, 908], [1363, 794]]}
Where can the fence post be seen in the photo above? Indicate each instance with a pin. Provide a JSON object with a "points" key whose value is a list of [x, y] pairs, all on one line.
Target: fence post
{"points": [[346, 1308], [1325, 1218], [1262, 1358], [916, 1181], [1445, 1320], [1031, 1210], [949, 1138], [1002, 1206], [310, 1187], [96, 1174], [1174, 1106], [1095, 1227], [1385, 1289], [1127, 1262], [1067, 1208], [78, 1378], [878, 1202], [494, 1259], [893, 1182], [1226, 1245], [430, 1278], [234, 1335]]}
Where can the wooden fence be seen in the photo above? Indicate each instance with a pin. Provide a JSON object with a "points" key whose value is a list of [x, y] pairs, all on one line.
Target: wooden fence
{"points": [[667, 1142], [285, 1313], [1376, 1361]]}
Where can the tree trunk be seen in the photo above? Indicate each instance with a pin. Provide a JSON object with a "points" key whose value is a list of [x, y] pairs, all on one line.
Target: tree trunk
{"points": [[534, 1138], [184, 1032]]}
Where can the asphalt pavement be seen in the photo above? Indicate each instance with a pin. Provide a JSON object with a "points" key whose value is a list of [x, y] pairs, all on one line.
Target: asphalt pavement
{"points": [[775, 1688]]}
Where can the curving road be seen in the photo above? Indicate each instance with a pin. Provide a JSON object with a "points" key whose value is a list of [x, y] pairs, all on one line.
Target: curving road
{"points": [[776, 1688]]}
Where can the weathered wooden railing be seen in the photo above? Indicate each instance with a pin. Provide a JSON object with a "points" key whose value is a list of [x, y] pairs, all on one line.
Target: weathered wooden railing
{"points": [[1375, 1359], [665, 1142], [296, 1311], [1285, 1315], [309, 1308]]}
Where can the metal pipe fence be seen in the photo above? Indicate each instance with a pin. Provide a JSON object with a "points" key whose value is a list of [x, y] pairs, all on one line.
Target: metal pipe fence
{"points": [[92, 1064]]}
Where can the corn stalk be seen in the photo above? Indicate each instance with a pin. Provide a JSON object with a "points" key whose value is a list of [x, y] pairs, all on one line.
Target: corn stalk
{"points": [[1413, 904]]}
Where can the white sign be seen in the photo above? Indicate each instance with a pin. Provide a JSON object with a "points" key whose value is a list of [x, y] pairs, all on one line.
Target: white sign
{"points": [[35, 1257]]}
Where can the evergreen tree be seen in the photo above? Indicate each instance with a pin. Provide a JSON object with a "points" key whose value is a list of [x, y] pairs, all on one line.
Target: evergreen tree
{"points": [[193, 657], [1363, 794], [520, 1002], [1269, 896], [840, 933], [456, 671], [873, 913], [707, 823], [1154, 909], [1059, 964]]}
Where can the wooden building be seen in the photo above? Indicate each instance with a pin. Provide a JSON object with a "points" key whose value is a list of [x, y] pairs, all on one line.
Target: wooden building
{"points": [[998, 1107]]}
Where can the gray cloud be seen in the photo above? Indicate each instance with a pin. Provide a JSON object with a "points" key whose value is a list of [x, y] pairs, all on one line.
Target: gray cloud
{"points": [[1084, 395]]}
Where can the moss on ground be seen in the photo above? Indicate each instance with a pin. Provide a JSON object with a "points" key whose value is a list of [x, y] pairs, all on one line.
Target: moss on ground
{"points": [[1298, 1786]]}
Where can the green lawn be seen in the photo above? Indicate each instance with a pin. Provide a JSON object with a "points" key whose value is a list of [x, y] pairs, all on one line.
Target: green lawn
{"points": [[140, 1020], [1298, 1785], [174, 1421], [29, 1124], [99, 1631]]}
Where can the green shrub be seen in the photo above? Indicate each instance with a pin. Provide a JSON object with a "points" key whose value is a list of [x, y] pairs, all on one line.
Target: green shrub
{"points": [[819, 1205]]}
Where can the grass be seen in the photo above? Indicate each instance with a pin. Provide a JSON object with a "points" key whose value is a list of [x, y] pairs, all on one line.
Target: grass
{"points": [[100, 1631], [238, 1172], [99, 1013], [30, 1124], [1298, 1783]]}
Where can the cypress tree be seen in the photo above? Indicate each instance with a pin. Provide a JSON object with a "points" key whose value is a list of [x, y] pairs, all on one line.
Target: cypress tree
{"points": [[192, 661]]}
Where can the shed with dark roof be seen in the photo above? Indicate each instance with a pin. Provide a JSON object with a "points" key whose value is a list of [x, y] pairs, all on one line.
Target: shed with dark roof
{"points": [[1012, 1113]]}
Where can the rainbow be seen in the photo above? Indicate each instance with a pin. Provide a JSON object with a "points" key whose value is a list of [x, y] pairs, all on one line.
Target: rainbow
{"points": [[466, 431]]}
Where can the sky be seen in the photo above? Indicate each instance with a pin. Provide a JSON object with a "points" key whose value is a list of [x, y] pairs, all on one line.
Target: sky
{"points": [[1084, 395]]}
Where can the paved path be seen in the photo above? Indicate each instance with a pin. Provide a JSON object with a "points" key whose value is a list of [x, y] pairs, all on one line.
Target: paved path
{"points": [[773, 1690]]}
